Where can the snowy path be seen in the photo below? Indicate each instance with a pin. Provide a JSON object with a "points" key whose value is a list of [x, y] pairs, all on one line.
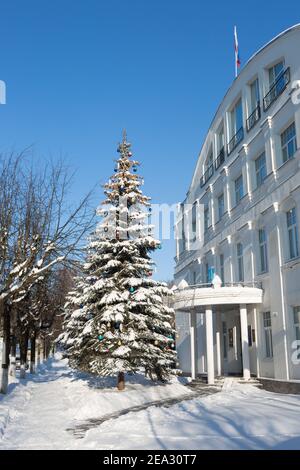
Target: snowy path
{"points": [[40, 412], [42, 421], [242, 417], [81, 429]]}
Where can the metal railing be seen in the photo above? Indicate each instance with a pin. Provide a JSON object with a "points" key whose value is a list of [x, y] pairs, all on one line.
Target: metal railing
{"points": [[207, 175], [220, 158], [255, 284], [236, 139], [277, 88], [253, 118]]}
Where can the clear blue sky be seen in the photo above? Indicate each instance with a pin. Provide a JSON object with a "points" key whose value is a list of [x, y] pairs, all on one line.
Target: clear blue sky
{"points": [[79, 71]]}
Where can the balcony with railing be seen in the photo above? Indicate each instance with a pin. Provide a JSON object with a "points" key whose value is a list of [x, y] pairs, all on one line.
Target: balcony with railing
{"points": [[253, 118], [233, 293], [207, 175], [220, 158], [277, 88], [235, 140]]}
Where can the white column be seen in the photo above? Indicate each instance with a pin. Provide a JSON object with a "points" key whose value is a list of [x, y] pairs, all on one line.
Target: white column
{"points": [[229, 204], [270, 140], [231, 257], [193, 336], [280, 223], [245, 344], [251, 227], [257, 341], [218, 342], [209, 346]]}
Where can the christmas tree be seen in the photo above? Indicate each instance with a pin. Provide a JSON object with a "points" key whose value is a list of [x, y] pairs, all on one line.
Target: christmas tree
{"points": [[127, 322], [76, 324]]}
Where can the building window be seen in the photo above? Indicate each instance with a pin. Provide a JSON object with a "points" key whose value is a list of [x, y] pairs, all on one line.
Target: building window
{"points": [[236, 126], [222, 270], [296, 311], [278, 80], [230, 338], [292, 233], [260, 169], [194, 279], [240, 262], [288, 143], [208, 169], [221, 206], [249, 335], [268, 334], [206, 219], [263, 251], [274, 72], [236, 118], [194, 221], [254, 105], [182, 240], [209, 160], [254, 94], [239, 189], [220, 158], [209, 273], [220, 140]]}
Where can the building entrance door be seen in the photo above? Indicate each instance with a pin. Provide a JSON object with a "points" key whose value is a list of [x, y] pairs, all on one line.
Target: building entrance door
{"points": [[232, 347]]}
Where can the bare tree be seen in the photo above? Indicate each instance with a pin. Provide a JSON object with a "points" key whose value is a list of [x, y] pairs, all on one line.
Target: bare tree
{"points": [[38, 231]]}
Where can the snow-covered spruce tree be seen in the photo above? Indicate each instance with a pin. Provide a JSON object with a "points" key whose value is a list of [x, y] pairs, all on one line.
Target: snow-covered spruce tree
{"points": [[75, 325], [127, 323]]}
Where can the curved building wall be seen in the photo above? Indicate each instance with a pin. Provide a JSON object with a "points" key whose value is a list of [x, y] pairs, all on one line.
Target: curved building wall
{"points": [[247, 182]]}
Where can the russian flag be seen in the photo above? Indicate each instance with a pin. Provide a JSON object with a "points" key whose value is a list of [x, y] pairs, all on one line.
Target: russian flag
{"points": [[236, 49]]}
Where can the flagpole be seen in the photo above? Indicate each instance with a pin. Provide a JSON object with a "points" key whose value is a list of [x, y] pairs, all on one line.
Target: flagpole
{"points": [[235, 53]]}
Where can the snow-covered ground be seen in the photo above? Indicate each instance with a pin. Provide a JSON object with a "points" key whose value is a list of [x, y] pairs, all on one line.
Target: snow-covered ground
{"points": [[38, 413]]}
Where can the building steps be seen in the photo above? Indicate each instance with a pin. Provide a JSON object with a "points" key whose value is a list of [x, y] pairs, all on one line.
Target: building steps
{"points": [[200, 384], [230, 381], [251, 381], [221, 382]]}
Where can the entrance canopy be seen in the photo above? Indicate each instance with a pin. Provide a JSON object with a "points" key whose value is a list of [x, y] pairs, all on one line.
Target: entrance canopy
{"points": [[200, 295]]}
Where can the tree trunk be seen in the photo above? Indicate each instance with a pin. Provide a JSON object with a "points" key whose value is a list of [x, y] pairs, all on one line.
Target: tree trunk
{"points": [[13, 353], [5, 348], [23, 354], [32, 353], [45, 356], [38, 354], [121, 381], [42, 351]]}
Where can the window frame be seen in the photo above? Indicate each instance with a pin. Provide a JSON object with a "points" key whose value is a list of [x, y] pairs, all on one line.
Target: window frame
{"points": [[296, 311], [194, 221], [254, 85], [274, 73], [240, 262], [260, 175], [288, 143], [221, 213], [292, 233], [206, 216], [222, 267], [263, 251], [239, 190], [268, 339]]}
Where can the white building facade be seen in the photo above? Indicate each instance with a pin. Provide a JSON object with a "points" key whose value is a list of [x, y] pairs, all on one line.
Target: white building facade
{"points": [[247, 184]]}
